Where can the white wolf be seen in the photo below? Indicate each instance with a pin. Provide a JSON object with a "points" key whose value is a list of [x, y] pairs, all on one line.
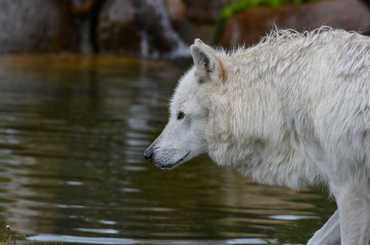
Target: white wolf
{"points": [[294, 110]]}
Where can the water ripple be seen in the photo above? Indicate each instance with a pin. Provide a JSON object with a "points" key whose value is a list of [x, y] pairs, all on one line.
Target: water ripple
{"points": [[72, 136]]}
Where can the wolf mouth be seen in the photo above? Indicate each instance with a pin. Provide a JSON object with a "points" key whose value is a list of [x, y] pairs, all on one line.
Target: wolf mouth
{"points": [[170, 166]]}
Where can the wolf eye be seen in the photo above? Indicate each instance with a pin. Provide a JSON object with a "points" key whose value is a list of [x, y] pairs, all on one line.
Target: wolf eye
{"points": [[180, 115]]}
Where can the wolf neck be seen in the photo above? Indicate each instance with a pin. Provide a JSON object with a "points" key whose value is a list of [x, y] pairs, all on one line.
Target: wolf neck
{"points": [[266, 162], [250, 134], [278, 164]]}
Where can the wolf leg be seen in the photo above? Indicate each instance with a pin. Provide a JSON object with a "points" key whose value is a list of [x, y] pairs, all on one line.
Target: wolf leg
{"points": [[353, 203], [329, 234]]}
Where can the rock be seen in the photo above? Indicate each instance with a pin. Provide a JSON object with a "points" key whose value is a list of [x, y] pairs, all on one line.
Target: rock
{"points": [[36, 26], [189, 31], [83, 7], [176, 10], [154, 21], [201, 19], [248, 27], [205, 11], [117, 30], [137, 28], [86, 14]]}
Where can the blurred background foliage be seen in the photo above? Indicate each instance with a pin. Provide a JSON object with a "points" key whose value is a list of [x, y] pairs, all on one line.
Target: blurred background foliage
{"points": [[243, 5], [158, 29]]}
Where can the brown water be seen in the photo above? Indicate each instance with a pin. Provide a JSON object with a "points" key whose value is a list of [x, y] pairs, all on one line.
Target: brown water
{"points": [[72, 135]]}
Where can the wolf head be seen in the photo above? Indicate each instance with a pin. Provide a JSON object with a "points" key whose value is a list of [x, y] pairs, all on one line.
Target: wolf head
{"points": [[185, 135]]}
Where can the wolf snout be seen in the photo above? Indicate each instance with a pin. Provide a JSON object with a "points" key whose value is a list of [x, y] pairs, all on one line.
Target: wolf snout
{"points": [[148, 153]]}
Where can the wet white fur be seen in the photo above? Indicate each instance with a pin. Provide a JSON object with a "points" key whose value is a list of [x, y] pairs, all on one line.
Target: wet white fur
{"points": [[293, 110]]}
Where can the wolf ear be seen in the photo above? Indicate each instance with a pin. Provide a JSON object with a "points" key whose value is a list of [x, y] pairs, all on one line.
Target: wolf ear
{"points": [[208, 65]]}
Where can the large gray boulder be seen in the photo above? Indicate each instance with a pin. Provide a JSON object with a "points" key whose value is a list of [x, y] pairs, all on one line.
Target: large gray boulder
{"points": [[137, 28], [248, 27], [118, 31], [36, 26]]}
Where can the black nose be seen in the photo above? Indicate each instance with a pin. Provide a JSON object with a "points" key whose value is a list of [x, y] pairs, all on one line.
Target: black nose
{"points": [[148, 153]]}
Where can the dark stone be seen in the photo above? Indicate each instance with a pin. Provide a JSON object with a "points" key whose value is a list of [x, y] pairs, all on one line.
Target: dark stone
{"points": [[201, 19], [36, 26], [117, 30], [248, 27], [176, 10], [86, 13], [189, 31], [136, 28], [205, 11], [149, 20]]}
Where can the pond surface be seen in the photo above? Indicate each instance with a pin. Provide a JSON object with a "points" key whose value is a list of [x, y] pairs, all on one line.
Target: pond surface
{"points": [[72, 135]]}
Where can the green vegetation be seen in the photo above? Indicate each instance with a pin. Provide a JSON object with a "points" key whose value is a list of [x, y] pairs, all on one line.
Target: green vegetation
{"points": [[242, 5]]}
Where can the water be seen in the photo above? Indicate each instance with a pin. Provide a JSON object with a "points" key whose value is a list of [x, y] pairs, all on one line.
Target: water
{"points": [[72, 135]]}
